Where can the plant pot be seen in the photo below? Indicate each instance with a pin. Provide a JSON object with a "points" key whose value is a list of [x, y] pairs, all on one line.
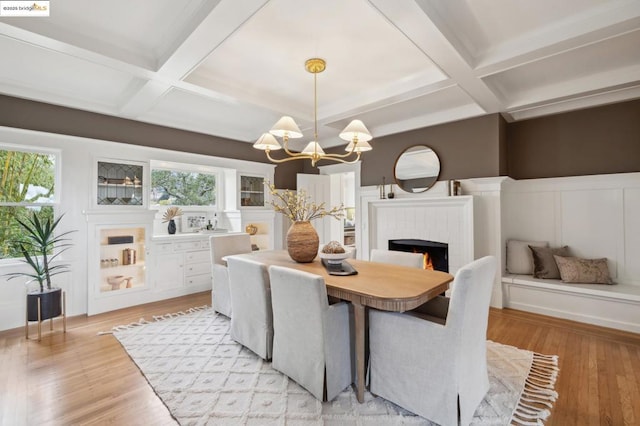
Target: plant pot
{"points": [[50, 304], [302, 242]]}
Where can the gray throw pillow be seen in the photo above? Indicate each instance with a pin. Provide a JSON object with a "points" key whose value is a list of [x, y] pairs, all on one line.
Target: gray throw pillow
{"points": [[586, 271], [544, 265], [519, 259]]}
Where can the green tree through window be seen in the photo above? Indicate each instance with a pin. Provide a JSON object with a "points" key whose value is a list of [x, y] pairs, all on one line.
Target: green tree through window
{"points": [[27, 185], [172, 187]]}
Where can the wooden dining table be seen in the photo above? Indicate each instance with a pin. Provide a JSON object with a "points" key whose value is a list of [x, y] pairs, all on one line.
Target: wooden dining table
{"points": [[377, 285]]}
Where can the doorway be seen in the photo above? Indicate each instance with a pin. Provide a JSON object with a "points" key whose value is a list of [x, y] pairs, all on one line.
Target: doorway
{"points": [[337, 184]]}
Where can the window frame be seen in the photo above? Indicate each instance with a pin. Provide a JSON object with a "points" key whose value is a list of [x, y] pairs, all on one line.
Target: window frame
{"points": [[57, 185]]}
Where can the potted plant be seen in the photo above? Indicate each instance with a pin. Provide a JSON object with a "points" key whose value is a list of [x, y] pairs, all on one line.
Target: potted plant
{"points": [[40, 246]]}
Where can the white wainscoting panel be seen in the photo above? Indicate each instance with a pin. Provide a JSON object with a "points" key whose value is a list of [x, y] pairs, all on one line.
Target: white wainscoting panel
{"points": [[631, 271], [592, 225], [596, 216]]}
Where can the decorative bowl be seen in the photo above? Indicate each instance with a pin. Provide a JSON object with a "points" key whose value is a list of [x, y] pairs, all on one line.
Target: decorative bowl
{"points": [[115, 281], [334, 256]]}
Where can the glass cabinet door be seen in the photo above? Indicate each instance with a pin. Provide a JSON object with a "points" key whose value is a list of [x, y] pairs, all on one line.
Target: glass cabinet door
{"points": [[252, 191], [120, 184]]}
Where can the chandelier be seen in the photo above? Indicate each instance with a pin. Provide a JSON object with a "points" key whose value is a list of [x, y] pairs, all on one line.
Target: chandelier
{"points": [[355, 133]]}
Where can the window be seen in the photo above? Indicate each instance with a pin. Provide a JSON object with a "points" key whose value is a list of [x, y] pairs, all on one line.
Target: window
{"points": [[183, 185], [27, 185]]}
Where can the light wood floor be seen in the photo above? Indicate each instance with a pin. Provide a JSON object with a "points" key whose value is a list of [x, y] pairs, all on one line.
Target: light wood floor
{"points": [[82, 378]]}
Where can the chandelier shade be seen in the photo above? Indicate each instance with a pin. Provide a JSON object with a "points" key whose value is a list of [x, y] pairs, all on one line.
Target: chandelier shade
{"points": [[356, 130], [286, 127], [313, 147], [356, 133]]}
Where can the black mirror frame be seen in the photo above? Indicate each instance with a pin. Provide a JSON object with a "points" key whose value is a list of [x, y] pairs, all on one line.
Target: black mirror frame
{"points": [[431, 182]]}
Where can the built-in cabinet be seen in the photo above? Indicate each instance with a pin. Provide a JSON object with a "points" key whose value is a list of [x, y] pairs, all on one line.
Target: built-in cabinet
{"points": [[129, 265], [118, 256], [122, 258], [182, 264]]}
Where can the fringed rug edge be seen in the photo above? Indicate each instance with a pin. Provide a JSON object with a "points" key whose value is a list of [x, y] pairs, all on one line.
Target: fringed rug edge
{"points": [[537, 397], [156, 318]]}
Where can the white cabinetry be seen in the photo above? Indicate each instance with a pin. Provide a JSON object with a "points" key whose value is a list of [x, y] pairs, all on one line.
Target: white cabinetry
{"points": [[182, 264]]}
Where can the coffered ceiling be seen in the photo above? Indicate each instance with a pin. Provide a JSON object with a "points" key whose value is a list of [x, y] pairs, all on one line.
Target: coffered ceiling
{"points": [[231, 68]]}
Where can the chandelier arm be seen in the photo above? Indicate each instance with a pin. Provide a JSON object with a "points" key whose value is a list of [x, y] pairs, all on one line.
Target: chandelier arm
{"points": [[331, 157], [283, 160], [342, 155], [285, 146], [340, 158]]}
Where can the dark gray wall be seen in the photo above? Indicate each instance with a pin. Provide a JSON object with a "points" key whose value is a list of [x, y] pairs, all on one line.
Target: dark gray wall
{"points": [[591, 141], [25, 114], [467, 148]]}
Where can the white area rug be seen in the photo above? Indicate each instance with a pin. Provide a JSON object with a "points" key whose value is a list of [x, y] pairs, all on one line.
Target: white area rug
{"points": [[205, 378]]}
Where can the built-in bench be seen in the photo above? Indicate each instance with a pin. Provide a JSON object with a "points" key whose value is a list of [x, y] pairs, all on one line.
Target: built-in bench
{"points": [[616, 306]]}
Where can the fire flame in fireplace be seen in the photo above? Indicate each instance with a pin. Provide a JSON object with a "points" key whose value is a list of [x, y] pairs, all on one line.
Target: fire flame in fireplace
{"points": [[426, 261]]}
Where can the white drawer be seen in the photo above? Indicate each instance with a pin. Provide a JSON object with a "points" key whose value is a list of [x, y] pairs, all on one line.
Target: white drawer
{"points": [[199, 280], [186, 245], [164, 248], [197, 257], [197, 268]]}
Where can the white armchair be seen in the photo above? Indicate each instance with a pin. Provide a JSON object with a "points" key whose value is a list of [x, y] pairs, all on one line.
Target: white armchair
{"points": [[224, 245], [433, 361], [402, 258], [252, 320], [312, 341]]}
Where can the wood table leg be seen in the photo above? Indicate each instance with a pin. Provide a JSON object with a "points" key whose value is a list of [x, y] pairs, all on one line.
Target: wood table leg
{"points": [[359, 324]]}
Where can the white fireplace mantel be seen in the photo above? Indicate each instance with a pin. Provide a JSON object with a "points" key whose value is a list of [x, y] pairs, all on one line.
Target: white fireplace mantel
{"points": [[442, 219]]}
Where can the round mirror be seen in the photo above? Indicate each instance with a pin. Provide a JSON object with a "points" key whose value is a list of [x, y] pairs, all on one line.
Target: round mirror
{"points": [[417, 169]]}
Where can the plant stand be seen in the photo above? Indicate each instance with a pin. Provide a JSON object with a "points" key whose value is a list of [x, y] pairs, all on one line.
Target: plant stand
{"points": [[40, 320]]}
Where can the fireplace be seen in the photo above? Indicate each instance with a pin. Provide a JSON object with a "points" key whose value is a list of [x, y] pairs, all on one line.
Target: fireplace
{"points": [[436, 255]]}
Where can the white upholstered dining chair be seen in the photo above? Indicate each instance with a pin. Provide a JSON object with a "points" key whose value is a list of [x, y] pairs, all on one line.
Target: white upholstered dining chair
{"points": [[224, 245], [433, 362], [402, 258], [312, 342], [252, 320]]}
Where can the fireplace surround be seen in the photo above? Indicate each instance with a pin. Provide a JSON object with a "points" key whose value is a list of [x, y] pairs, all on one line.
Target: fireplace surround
{"points": [[443, 219]]}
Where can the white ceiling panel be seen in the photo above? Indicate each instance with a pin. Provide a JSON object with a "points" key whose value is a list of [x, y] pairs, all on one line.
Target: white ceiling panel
{"points": [[136, 31], [445, 105], [349, 35], [231, 69], [597, 66], [62, 76], [189, 111]]}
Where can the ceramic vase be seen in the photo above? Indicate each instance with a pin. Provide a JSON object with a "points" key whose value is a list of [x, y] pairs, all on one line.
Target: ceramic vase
{"points": [[171, 228], [302, 242]]}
